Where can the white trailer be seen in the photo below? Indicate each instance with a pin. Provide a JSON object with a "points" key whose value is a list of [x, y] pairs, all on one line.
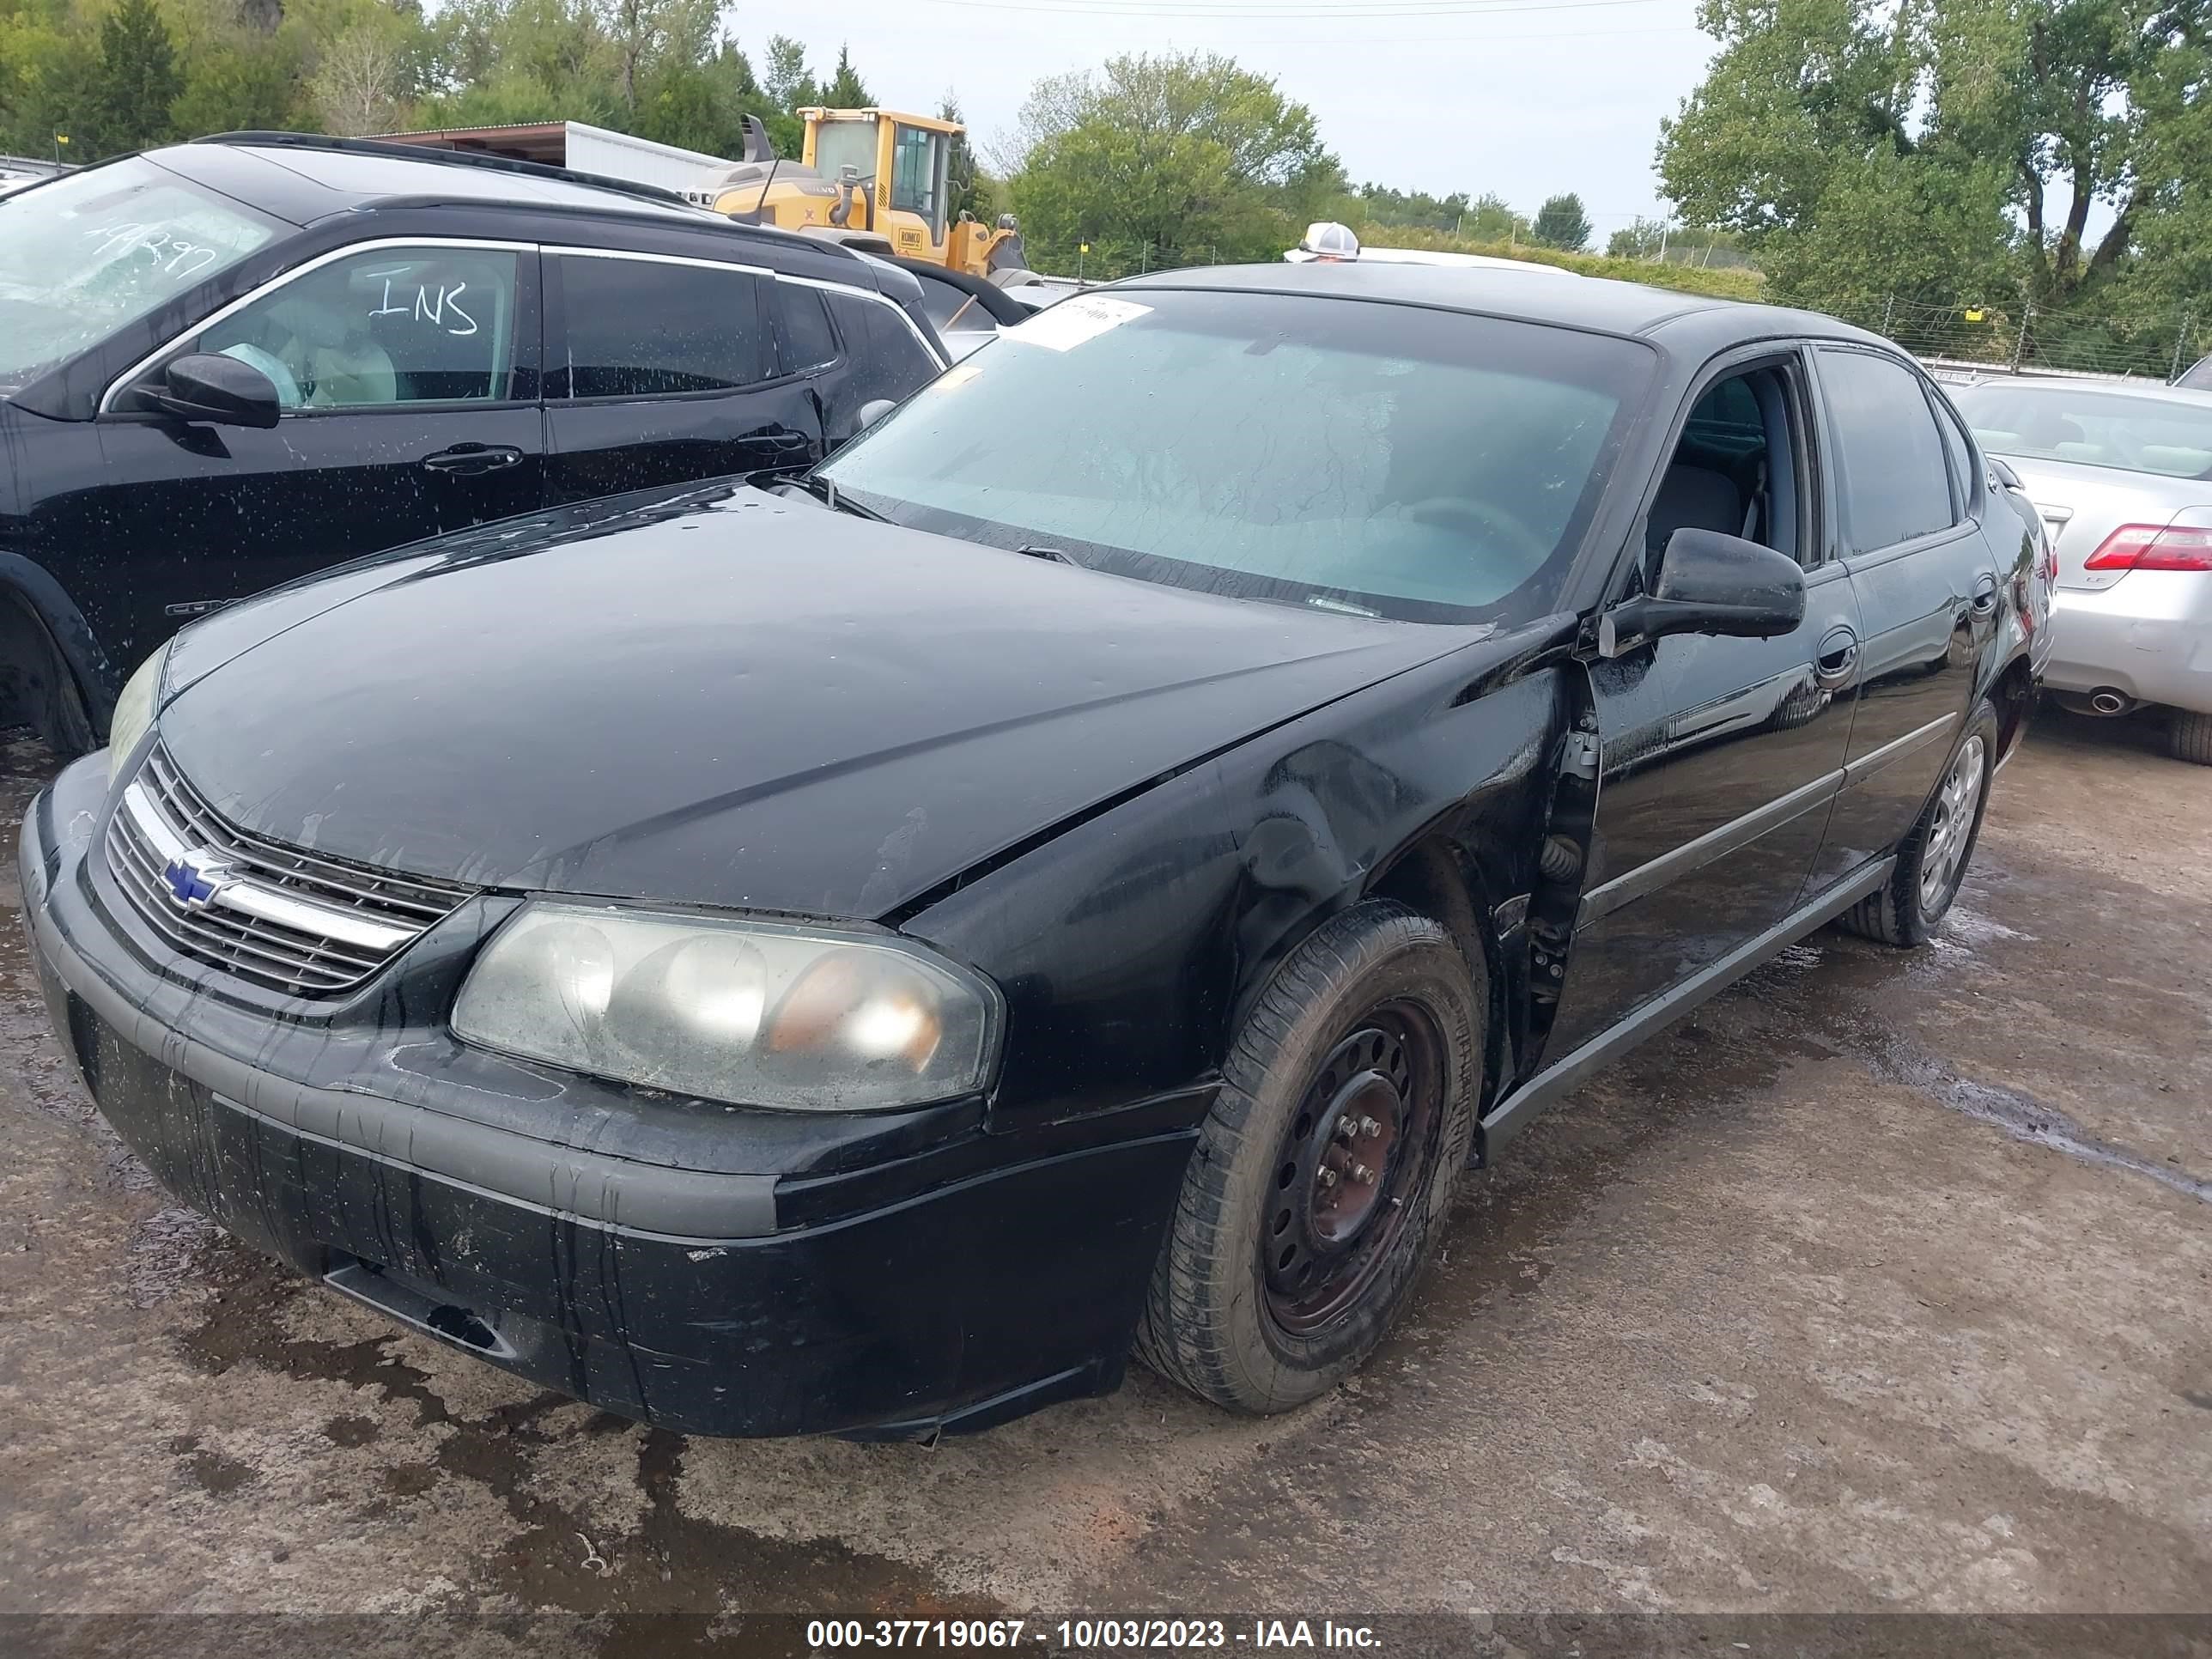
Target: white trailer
{"points": [[640, 160], [586, 148]]}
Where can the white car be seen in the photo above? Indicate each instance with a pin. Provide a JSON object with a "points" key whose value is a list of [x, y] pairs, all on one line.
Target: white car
{"points": [[2122, 477]]}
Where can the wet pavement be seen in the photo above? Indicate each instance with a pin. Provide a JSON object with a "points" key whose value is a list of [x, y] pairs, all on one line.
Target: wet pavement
{"points": [[1882, 1284]]}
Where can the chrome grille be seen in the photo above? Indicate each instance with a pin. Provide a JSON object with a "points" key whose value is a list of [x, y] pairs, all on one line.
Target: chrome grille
{"points": [[278, 916]]}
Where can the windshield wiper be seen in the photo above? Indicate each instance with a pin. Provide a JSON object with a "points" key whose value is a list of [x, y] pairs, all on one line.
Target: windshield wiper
{"points": [[1057, 555], [825, 491]]}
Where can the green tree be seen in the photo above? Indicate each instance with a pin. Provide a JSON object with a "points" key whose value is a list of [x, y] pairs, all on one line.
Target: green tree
{"points": [[642, 35], [1641, 238], [246, 82], [784, 75], [1491, 218], [137, 80], [1379, 204], [1835, 133], [970, 186], [1170, 154], [845, 90], [1561, 223]]}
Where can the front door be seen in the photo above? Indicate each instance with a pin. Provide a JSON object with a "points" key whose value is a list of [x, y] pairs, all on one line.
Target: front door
{"points": [[1718, 757], [661, 371], [408, 380], [1927, 583]]}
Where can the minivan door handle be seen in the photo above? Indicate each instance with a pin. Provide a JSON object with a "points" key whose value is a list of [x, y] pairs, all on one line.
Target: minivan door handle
{"points": [[1985, 595], [1839, 655], [468, 460]]}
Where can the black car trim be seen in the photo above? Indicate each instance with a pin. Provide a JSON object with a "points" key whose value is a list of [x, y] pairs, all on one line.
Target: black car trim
{"points": [[129, 377], [568, 252], [1896, 749], [613, 1195], [1716, 843], [1519, 1109]]}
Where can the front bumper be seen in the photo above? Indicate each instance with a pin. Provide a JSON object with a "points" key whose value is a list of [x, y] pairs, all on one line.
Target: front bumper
{"points": [[695, 1267], [2149, 635]]}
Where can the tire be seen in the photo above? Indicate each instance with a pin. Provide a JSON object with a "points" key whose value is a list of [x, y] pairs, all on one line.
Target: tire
{"points": [[2191, 735], [1276, 1280], [1906, 909]]}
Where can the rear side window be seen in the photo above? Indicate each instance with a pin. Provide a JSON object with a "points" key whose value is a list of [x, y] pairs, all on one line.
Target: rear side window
{"points": [[888, 359], [1895, 482], [804, 338], [645, 328]]}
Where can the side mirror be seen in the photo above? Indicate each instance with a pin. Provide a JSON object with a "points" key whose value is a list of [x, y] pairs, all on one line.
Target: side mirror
{"points": [[872, 411], [222, 391], [2003, 472], [1710, 583]]}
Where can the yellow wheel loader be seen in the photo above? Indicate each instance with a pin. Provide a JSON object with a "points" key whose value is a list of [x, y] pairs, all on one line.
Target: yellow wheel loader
{"points": [[874, 178]]}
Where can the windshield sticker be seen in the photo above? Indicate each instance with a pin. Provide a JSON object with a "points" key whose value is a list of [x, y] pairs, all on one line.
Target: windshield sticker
{"points": [[1069, 324]]}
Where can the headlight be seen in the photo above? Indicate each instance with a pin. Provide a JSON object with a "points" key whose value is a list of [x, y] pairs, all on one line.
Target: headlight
{"points": [[756, 1013], [134, 710]]}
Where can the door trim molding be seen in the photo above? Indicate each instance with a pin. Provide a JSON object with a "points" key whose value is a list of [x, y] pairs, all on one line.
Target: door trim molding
{"points": [[1716, 843], [1519, 1108], [1857, 771]]}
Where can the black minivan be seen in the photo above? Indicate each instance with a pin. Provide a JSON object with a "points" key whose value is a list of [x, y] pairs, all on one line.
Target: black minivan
{"points": [[230, 363]]}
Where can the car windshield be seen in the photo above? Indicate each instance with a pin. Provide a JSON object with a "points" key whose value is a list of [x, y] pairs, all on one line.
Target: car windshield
{"points": [[2091, 428], [1396, 461], [81, 256]]}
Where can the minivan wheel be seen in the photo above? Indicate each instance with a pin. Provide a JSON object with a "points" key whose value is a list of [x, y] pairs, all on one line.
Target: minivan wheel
{"points": [[2190, 735], [1932, 864], [1331, 1153]]}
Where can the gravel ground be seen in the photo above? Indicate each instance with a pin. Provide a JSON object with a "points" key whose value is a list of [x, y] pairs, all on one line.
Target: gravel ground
{"points": [[1883, 1284]]}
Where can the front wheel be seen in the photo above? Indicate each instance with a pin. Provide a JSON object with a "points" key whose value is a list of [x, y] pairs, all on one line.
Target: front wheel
{"points": [[1346, 1112], [1932, 864]]}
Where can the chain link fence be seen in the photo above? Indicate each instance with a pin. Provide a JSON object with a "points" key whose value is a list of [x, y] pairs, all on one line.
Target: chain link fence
{"points": [[2021, 338], [1108, 261]]}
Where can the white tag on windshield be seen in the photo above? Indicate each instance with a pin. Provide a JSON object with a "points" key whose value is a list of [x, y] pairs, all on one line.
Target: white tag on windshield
{"points": [[1072, 321]]}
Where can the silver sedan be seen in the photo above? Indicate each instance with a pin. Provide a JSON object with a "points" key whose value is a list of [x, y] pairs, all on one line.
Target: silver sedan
{"points": [[2122, 477]]}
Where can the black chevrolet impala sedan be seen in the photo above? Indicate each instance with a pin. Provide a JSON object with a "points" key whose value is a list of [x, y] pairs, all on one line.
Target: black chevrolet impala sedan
{"points": [[1084, 871]]}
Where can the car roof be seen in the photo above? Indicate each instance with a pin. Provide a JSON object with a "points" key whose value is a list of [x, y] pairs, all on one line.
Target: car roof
{"points": [[305, 179], [2149, 391], [1595, 303]]}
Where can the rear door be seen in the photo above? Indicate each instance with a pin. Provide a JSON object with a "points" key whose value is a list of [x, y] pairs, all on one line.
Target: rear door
{"points": [[1910, 534], [408, 376], [1718, 757], [660, 370]]}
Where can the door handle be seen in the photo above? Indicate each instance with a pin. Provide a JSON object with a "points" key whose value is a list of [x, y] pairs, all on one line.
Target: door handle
{"points": [[1985, 596], [784, 443], [469, 460], [1839, 656]]}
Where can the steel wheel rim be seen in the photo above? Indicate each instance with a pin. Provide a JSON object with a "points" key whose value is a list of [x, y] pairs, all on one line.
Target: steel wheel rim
{"points": [[1943, 860], [1351, 1167]]}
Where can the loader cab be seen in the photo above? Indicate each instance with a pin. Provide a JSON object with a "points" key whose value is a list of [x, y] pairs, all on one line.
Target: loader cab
{"points": [[903, 164]]}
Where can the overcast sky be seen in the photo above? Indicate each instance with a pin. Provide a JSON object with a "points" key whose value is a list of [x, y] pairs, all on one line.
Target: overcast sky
{"points": [[1523, 97]]}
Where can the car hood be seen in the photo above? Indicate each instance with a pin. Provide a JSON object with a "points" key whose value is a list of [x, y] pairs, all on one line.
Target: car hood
{"points": [[730, 698]]}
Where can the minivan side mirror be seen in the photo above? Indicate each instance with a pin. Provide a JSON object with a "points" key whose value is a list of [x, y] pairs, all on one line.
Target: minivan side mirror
{"points": [[1710, 583], [206, 385]]}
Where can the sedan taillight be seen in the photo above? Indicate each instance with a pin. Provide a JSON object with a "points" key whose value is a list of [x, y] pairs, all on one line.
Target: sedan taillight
{"points": [[2151, 547]]}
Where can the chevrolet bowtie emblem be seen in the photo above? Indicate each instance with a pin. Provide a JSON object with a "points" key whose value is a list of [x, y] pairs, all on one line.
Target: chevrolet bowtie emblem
{"points": [[194, 877]]}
